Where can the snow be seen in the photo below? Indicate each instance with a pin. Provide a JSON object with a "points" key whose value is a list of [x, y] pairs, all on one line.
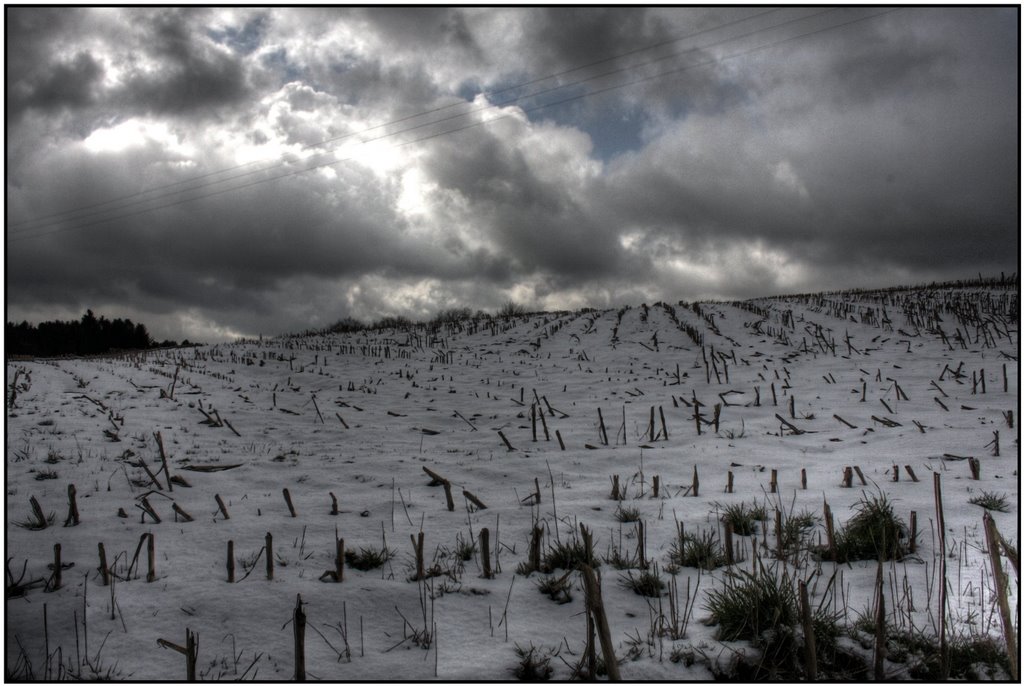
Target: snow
{"points": [[284, 397]]}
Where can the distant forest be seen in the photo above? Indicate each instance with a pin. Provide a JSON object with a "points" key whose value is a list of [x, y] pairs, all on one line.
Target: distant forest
{"points": [[88, 336]]}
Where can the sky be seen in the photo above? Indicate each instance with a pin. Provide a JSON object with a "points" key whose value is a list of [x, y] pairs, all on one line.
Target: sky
{"points": [[224, 172]]}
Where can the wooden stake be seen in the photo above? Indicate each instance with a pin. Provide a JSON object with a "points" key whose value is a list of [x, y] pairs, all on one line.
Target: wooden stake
{"points": [[910, 471], [505, 440], [913, 531], [269, 549], [417, 544], [992, 538], [473, 499], [941, 527], [151, 558], [56, 567], [830, 531], [104, 568], [180, 512], [231, 562], [447, 485], [593, 591], [975, 467], [728, 544], [535, 538], [72, 518], [728, 482], [288, 501], [561, 443], [774, 483], [220, 505], [696, 482], [860, 475], [37, 511], [339, 560], [803, 479], [163, 460], [299, 628], [848, 477], [485, 552]]}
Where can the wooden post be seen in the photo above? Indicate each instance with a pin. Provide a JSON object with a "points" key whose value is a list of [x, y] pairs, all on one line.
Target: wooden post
{"points": [[448, 494], [104, 568], [975, 467], [269, 549], [830, 530], [728, 544], [485, 552], [696, 482], [191, 654], [231, 562], [163, 460], [561, 443], [37, 510], [417, 544], [728, 482], [533, 421], [299, 628], [505, 440], [339, 560], [56, 567], [220, 505], [288, 501], [615, 487], [593, 591], [880, 625], [72, 519], [940, 525], [810, 651], [655, 484], [999, 578], [535, 548], [664, 427], [774, 483], [803, 479], [847, 477], [604, 433], [913, 531], [151, 558]]}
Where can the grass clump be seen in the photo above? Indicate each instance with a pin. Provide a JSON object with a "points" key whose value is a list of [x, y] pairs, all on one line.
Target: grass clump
{"points": [[647, 583], [627, 514], [796, 528], [874, 532], [702, 551], [569, 555], [762, 607], [744, 520], [533, 665], [557, 588], [366, 559], [991, 501]]}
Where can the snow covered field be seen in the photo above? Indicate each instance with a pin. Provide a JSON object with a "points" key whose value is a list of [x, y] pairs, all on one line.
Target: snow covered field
{"points": [[817, 384]]}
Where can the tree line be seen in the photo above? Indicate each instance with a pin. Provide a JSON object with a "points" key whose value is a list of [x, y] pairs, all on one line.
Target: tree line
{"points": [[88, 336]]}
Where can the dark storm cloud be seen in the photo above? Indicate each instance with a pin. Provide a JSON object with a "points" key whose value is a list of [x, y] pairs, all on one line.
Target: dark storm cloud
{"points": [[881, 150], [193, 76]]}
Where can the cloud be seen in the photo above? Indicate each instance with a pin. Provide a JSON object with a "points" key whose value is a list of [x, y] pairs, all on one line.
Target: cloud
{"points": [[295, 183]]}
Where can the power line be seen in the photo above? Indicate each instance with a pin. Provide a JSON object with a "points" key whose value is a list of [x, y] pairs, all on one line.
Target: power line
{"points": [[488, 94], [475, 124]]}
